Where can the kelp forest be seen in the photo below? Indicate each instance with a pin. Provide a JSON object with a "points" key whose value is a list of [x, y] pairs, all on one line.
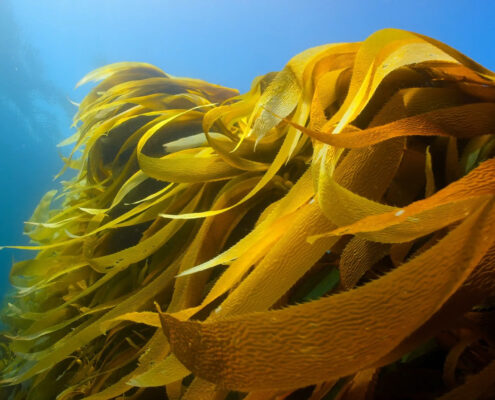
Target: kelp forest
{"points": [[328, 235]]}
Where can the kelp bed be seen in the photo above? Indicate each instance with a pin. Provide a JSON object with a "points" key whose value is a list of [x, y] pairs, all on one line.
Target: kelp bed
{"points": [[328, 235]]}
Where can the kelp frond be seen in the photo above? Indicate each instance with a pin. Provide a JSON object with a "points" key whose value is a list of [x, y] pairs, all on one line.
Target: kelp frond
{"points": [[328, 234]]}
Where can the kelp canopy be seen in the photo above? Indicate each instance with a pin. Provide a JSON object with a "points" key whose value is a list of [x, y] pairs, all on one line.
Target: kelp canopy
{"points": [[328, 235]]}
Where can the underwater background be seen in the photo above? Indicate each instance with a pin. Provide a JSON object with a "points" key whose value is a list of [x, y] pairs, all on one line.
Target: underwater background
{"points": [[47, 46]]}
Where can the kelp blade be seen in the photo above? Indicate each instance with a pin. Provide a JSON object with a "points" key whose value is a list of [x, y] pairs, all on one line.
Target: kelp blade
{"points": [[312, 237]]}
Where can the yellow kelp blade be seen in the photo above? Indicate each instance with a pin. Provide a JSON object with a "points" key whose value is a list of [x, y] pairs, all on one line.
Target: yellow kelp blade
{"points": [[300, 193], [370, 162], [318, 337], [422, 217], [109, 70], [380, 54], [357, 258], [463, 121]]}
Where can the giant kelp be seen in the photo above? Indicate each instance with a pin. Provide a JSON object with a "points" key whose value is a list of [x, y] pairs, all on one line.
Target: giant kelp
{"points": [[329, 234]]}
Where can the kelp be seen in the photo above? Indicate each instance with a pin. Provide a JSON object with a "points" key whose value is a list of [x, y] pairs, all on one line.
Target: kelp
{"points": [[329, 234]]}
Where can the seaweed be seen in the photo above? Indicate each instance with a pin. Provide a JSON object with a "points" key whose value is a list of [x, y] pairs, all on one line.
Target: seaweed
{"points": [[329, 234]]}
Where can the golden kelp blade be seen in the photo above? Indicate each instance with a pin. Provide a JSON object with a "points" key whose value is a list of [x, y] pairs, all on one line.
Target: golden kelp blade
{"points": [[268, 350], [314, 237]]}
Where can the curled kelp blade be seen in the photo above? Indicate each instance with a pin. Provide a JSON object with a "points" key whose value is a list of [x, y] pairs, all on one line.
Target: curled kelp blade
{"points": [[113, 261], [422, 217], [464, 121], [239, 352], [116, 260], [383, 52], [361, 171], [108, 70]]}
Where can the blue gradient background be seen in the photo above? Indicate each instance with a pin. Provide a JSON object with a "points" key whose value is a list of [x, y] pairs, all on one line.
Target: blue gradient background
{"points": [[47, 46]]}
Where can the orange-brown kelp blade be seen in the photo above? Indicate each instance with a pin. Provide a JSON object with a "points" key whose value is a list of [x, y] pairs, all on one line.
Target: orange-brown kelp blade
{"points": [[334, 336]]}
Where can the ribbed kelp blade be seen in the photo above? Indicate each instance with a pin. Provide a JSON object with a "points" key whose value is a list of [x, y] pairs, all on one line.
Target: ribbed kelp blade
{"points": [[317, 237], [268, 349]]}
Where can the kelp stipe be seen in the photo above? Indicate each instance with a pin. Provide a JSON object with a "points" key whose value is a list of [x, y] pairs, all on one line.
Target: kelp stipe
{"points": [[328, 235]]}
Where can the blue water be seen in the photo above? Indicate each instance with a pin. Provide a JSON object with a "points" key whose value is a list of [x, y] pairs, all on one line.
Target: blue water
{"points": [[47, 46]]}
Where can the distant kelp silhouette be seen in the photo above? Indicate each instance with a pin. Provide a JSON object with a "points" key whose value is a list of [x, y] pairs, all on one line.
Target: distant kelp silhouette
{"points": [[329, 234]]}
